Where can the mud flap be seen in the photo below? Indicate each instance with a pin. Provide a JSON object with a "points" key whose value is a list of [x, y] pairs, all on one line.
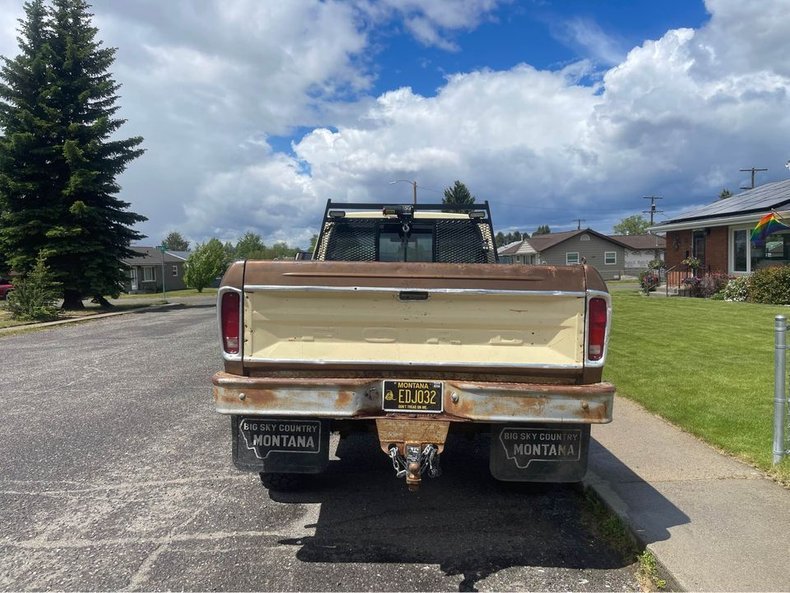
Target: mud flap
{"points": [[539, 452], [280, 445]]}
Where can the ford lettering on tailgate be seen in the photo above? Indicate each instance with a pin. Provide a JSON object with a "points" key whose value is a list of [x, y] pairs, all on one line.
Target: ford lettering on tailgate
{"points": [[412, 396]]}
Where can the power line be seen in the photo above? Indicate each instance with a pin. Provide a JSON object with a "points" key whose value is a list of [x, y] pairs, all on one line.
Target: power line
{"points": [[652, 212], [753, 171]]}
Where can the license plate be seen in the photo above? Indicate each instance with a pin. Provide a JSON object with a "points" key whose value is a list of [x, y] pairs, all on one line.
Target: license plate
{"points": [[412, 396]]}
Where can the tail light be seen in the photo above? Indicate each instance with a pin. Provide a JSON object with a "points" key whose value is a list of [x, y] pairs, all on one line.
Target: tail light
{"points": [[231, 322], [596, 328]]}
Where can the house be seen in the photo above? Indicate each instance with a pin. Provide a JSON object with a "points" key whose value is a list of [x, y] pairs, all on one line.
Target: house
{"points": [[718, 234], [150, 265], [518, 252], [607, 255], [640, 251]]}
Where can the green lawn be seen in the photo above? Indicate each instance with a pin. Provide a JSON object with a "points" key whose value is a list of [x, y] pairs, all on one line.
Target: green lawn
{"points": [[706, 366]]}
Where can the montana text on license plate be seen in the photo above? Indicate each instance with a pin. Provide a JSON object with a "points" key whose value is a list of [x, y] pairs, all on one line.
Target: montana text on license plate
{"points": [[412, 396]]}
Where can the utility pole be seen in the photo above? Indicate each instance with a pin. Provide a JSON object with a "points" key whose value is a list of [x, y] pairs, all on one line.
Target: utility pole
{"points": [[753, 171], [579, 222], [652, 212], [413, 185]]}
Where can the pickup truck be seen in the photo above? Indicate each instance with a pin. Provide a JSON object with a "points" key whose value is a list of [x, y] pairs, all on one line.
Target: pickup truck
{"points": [[405, 324]]}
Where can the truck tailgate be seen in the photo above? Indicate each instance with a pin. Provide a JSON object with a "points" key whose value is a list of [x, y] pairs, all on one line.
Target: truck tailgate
{"points": [[402, 314]]}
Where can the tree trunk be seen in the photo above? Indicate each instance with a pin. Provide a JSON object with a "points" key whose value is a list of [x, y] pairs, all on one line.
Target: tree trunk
{"points": [[103, 303], [72, 300]]}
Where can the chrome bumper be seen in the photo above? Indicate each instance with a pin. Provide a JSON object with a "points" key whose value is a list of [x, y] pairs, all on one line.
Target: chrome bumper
{"points": [[464, 401]]}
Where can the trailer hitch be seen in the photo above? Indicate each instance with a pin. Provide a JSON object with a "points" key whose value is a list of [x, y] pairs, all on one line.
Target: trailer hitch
{"points": [[415, 462]]}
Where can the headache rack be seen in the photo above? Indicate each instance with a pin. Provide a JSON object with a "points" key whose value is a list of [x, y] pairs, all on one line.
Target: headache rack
{"points": [[406, 232]]}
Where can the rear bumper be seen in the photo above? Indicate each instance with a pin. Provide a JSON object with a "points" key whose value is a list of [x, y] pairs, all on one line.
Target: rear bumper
{"points": [[464, 401]]}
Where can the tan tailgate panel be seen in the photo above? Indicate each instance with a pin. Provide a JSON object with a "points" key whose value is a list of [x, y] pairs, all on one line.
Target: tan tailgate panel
{"points": [[516, 329]]}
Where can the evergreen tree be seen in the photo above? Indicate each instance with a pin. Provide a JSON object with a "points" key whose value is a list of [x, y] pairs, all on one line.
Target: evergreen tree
{"points": [[458, 195], [58, 105], [175, 242], [543, 229], [34, 296], [724, 194], [26, 191]]}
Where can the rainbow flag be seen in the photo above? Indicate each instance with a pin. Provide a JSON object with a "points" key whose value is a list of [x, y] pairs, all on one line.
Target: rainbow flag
{"points": [[768, 225]]}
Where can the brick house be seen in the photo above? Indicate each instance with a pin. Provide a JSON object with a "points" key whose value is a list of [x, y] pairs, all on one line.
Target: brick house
{"points": [[718, 234]]}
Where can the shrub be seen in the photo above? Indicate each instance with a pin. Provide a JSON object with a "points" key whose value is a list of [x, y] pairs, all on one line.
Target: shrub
{"points": [[648, 281], [711, 284], [770, 286], [35, 295], [656, 264], [737, 289], [692, 283]]}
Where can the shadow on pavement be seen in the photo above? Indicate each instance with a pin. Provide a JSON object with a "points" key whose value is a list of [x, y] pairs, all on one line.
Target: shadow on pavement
{"points": [[465, 521], [648, 512]]}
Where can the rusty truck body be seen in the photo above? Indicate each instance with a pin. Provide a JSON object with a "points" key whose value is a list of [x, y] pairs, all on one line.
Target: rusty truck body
{"points": [[403, 323]]}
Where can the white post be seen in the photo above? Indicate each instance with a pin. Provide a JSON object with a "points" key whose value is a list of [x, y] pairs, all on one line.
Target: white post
{"points": [[780, 394]]}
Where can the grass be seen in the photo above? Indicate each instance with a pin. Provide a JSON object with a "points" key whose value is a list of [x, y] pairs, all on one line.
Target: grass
{"points": [[90, 309], [706, 366], [610, 528]]}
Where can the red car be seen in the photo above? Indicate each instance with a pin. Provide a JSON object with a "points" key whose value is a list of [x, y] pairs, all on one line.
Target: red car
{"points": [[5, 287]]}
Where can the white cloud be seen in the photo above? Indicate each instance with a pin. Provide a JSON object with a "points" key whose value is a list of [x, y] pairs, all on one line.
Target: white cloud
{"points": [[210, 84]]}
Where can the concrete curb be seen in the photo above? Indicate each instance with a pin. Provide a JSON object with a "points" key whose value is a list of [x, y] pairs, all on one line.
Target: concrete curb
{"points": [[599, 488], [45, 324]]}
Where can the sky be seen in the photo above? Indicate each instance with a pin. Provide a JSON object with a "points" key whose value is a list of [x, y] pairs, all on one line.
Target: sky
{"points": [[255, 112]]}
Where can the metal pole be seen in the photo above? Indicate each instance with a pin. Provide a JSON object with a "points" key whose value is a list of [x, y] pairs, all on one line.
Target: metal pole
{"points": [[164, 294], [414, 186], [780, 395]]}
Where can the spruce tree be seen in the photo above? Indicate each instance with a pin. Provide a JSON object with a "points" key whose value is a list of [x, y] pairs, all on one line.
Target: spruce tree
{"points": [[458, 195], [26, 191], [68, 210]]}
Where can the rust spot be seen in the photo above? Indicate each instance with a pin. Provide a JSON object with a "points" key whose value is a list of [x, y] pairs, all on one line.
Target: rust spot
{"points": [[344, 399]]}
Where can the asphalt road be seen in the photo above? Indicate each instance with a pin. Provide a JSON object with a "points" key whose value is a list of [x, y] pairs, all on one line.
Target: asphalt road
{"points": [[115, 474]]}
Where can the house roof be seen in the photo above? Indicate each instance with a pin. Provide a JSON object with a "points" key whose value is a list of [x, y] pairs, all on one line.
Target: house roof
{"points": [[147, 256], [543, 242], [637, 242], [752, 201], [516, 248]]}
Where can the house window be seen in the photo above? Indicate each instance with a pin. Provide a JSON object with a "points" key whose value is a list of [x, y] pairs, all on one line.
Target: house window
{"points": [[148, 274], [740, 242], [571, 257], [584, 237], [175, 271], [610, 258]]}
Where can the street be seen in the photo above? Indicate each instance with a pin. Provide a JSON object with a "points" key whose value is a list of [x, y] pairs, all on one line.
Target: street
{"points": [[116, 474]]}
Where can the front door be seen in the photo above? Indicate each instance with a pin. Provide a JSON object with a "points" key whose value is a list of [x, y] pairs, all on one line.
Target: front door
{"points": [[698, 246], [133, 278]]}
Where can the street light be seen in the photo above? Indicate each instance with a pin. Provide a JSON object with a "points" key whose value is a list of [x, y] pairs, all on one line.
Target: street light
{"points": [[413, 185]]}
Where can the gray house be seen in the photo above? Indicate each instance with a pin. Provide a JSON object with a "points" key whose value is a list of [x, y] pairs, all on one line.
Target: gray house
{"points": [[150, 265], [640, 251], [607, 255]]}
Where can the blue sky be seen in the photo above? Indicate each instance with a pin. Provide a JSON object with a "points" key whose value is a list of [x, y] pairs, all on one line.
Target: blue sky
{"points": [[254, 112]]}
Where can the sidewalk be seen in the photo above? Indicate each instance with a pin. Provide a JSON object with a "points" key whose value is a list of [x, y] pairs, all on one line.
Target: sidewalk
{"points": [[714, 523]]}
